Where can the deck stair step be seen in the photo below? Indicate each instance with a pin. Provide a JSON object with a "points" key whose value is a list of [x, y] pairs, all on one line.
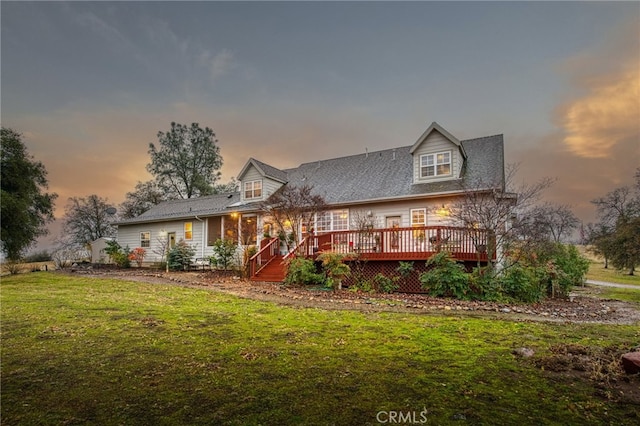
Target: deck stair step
{"points": [[275, 271]]}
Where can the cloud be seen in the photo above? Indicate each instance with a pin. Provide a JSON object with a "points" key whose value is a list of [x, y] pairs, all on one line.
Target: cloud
{"points": [[597, 145]]}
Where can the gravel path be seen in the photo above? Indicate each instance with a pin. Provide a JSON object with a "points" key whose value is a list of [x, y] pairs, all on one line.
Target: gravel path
{"points": [[607, 284], [582, 306]]}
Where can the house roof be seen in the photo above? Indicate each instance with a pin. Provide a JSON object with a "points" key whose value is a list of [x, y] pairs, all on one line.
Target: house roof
{"points": [[367, 177], [185, 209], [388, 174], [265, 170]]}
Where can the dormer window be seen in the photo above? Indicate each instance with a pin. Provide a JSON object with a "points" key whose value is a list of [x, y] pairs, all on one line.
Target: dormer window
{"points": [[433, 165], [253, 189]]}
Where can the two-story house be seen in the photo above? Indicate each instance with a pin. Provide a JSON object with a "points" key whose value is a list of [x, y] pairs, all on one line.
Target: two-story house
{"points": [[403, 194]]}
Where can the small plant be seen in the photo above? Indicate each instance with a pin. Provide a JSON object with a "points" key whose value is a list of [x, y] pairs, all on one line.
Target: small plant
{"points": [[445, 277], [223, 253], [303, 271], [137, 255], [180, 256], [385, 284], [334, 268], [118, 255]]}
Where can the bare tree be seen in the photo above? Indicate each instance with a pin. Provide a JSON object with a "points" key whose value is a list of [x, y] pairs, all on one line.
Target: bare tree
{"points": [[490, 211], [553, 222], [291, 207], [87, 219]]}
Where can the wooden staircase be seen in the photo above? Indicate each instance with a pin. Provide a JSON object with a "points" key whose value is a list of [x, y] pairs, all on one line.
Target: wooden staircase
{"points": [[274, 271]]}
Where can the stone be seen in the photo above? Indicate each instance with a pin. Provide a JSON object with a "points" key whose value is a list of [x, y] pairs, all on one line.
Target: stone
{"points": [[523, 352], [631, 362]]}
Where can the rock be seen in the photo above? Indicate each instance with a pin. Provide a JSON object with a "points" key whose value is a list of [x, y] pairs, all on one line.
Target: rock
{"points": [[523, 352], [505, 310], [631, 362]]}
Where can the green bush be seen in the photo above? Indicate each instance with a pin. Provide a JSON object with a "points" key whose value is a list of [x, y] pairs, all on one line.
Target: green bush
{"points": [[180, 256], [486, 285], [224, 252], [385, 284], [119, 255], [334, 268], [523, 284], [445, 277], [303, 271]]}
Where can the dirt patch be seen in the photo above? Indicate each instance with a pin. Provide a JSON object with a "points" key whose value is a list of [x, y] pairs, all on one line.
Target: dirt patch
{"points": [[580, 307], [599, 365]]}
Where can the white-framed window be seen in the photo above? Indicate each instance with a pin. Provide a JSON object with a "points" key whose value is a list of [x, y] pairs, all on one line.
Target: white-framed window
{"points": [[418, 217], [253, 189], [433, 165], [145, 239], [333, 220], [188, 230]]}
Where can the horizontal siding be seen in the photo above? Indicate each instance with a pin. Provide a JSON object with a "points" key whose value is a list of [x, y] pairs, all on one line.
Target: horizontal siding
{"points": [[403, 209], [269, 186], [129, 235], [434, 143]]}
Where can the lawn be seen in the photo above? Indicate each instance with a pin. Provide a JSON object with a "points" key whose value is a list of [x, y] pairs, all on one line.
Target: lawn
{"points": [[79, 350], [597, 272]]}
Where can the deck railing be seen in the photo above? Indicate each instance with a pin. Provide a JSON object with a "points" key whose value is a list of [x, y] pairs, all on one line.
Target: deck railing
{"points": [[266, 254], [416, 242]]}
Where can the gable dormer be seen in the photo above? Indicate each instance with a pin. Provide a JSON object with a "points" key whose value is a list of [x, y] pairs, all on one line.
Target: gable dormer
{"points": [[437, 156], [259, 180]]}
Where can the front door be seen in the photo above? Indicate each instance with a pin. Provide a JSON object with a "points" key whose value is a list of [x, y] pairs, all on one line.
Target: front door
{"points": [[172, 239], [393, 242]]}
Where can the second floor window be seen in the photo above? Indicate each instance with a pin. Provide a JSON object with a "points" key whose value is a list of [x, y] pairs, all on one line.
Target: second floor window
{"points": [[253, 189], [432, 165]]}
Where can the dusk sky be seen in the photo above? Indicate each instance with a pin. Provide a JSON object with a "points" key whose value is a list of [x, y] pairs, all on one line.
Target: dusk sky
{"points": [[89, 85]]}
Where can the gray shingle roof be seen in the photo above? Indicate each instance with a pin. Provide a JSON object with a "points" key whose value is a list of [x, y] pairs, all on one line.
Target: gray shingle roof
{"points": [[181, 209], [389, 173], [271, 172], [380, 175]]}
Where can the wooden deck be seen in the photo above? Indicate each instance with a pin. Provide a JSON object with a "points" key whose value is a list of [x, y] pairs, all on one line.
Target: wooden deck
{"points": [[412, 243], [387, 244]]}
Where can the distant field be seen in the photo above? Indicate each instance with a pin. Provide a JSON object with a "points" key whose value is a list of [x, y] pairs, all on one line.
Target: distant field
{"points": [[599, 273], [82, 350]]}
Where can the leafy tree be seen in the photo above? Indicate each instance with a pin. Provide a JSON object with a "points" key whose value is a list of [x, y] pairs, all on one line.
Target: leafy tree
{"points": [[25, 207], [142, 198], [186, 162], [87, 219], [224, 188], [617, 234], [292, 206]]}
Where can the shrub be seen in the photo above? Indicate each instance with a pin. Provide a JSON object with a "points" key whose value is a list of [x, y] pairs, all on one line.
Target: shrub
{"points": [[303, 271], [334, 268], [38, 256], [445, 277], [523, 284], [118, 255], [224, 251], [137, 255], [486, 285], [385, 284], [180, 256]]}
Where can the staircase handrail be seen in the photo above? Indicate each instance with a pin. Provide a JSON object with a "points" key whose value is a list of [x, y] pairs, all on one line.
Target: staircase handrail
{"points": [[302, 243], [267, 248]]}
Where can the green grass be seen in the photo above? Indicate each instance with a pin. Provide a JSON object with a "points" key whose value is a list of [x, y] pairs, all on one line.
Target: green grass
{"points": [[599, 273], [79, 350], [624, 294]]}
